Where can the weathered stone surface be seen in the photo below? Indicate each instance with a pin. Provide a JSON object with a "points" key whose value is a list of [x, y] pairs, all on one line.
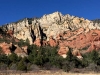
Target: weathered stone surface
{"points": [[57, 29], [20, 52], [91, 39], [7, 49], [52, 42], [76, 52], [50, 25], [63, 51], [37, 42], [24, 48]]}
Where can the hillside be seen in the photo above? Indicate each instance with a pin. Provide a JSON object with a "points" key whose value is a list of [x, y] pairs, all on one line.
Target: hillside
{"points": [[57, 29], [42, 41]]}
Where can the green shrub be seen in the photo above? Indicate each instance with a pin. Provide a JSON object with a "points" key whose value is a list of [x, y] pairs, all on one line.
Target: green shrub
{"points": [[22, 66]]}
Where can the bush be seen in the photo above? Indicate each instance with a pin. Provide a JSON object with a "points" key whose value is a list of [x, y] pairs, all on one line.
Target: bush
{"points": [[92, 67], [22, 66], [4, 59], [3, 66], [13, 57], [23, 42], [34, 67], [91, 57], [13, 67]]}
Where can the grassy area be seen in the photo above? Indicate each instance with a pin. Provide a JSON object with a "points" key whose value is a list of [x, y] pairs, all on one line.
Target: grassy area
{"points": [[52, 74], [45, 72]]}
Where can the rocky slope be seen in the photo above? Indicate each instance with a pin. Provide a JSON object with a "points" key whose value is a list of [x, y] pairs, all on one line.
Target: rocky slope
{"points": [[9, 44], [57, 29]]}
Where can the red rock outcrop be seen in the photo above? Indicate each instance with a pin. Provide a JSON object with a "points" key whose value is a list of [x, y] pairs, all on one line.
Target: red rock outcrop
{"points": [[76, 52], [80, 40], [37, 42], [52, 42], [57, 29], [6, 49], [63, 50], [44, 43], [20, 51]]}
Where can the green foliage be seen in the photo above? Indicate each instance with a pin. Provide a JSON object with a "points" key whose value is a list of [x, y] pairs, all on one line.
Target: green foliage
{"points": [[27, 41], [29, 21], [3, 66], [47, 57], [13, 57], [71, 62], [13, 66], [42, 55], [4, 60], [32, 51], [69, 55], [22, 66], [1, 50], [94, 56], [2, 40], [67, 66], [91, 57], [23, 43], [96, 21]]}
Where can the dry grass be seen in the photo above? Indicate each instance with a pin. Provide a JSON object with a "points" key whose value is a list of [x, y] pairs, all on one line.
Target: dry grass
{"points": [[49, 73]]}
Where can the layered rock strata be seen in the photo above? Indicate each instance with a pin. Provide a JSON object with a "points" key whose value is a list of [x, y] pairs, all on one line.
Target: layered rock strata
{"points": [[57, 29]]}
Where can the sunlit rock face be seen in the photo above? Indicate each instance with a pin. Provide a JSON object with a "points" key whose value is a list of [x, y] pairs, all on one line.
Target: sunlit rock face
{"points": [[47, 26], [10, 48], [57, 30]]}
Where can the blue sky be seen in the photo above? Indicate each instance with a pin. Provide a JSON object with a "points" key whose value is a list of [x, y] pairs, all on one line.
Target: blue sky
{"points": [[14, 10]]}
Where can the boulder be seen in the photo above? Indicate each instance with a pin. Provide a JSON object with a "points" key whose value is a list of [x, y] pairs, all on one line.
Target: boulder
{"points": [[63, 51]]}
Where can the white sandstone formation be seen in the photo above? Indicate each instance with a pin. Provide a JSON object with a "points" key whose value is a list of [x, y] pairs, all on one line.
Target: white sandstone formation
{"points": [[50, 25]]}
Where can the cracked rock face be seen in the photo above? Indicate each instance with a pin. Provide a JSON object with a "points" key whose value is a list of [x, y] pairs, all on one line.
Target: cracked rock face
{"points": [[65, 30], [50, 25], [7, 49]]}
